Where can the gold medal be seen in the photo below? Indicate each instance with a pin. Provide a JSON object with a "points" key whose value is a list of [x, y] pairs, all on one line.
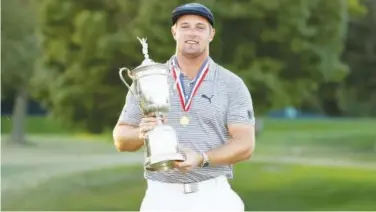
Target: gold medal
{"points": [[184, 121]]}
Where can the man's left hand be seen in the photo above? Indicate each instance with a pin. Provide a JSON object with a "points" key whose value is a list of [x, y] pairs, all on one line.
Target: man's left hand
{"points": [[192, 160]]}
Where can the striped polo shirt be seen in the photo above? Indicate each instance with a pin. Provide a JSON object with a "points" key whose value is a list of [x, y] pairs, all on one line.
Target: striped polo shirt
{"points": [[221, 99]]}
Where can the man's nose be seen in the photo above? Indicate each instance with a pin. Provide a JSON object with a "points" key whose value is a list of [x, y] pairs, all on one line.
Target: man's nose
{"points": [[192, 33]]}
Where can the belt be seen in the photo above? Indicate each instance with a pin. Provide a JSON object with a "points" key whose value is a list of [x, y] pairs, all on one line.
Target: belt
{"points": [[188, 188]]}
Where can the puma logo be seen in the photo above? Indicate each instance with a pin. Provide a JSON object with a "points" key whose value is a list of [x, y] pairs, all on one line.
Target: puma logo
{"points": [[206, 97]]}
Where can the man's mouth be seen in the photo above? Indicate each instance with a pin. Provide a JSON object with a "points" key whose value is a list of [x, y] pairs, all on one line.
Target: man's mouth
{"points": [[191, 42]]}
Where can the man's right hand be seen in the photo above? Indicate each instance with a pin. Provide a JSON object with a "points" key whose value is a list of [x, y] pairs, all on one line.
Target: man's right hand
{"points": [[148, 123]]}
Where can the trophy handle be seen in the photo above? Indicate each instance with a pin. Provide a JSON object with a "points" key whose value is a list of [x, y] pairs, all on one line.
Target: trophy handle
{"points": [[129, 87], [122, 78], [130, 76]]}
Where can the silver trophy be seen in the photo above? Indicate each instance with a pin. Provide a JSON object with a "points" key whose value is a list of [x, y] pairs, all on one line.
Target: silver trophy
{"points": [[152, 90]]}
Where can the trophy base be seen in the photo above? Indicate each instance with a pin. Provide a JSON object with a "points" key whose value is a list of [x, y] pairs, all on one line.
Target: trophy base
{"points": [[162, 163]]}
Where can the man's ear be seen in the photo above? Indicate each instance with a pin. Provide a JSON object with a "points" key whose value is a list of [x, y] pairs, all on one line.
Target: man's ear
{"points": [[173, 31], [212, 34]]}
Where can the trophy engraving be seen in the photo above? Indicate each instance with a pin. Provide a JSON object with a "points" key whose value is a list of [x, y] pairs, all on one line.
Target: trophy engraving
{"points": [[151, 88]]}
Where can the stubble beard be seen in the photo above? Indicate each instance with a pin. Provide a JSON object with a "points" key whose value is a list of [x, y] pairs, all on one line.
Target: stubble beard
{"points": [[193, 54]]}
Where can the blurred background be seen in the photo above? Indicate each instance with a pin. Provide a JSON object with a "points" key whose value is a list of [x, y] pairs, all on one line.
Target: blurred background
{"points": [[310, 66]]}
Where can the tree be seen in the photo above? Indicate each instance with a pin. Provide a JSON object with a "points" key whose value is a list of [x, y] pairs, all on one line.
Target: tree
{"points": [[19, 51], [357, 94], [283, 49], [328, 99], [86, 42]]}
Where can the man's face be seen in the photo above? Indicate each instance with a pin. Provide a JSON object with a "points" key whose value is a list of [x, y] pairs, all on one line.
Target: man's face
{"points": [[193, 34]]}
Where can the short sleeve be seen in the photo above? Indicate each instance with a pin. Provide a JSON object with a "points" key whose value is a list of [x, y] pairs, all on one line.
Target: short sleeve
{"points": [[131, 113], [240, 106]]}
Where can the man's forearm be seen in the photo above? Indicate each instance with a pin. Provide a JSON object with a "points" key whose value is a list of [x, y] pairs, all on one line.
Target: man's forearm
{"points": [[232, 152], [127, 138]]}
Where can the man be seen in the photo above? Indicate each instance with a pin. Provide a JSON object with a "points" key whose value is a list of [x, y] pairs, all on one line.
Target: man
{"points": [[212, 114]]}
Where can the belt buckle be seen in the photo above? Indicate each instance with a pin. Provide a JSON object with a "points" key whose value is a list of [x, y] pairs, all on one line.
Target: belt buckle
{"points": [[190, 188]]}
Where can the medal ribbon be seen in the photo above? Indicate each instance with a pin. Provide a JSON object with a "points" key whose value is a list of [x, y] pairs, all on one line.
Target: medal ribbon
{"points": [[186, 100]]}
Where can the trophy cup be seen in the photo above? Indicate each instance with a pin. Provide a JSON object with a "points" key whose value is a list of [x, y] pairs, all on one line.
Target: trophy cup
{"points": [[152, 91]]}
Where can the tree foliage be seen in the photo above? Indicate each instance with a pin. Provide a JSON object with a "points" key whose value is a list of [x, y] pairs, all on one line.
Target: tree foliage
{"points": [[19, 50], [283, 49], [357, 95], [19, 44]]}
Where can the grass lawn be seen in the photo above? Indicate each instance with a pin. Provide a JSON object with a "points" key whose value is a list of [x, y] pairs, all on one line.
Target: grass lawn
{"points": [[262, 186], [46, 127], [36, 125], [354, 139]]}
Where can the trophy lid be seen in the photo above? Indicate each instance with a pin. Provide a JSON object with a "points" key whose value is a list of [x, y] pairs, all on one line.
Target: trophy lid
{"points": [[147, 61]]}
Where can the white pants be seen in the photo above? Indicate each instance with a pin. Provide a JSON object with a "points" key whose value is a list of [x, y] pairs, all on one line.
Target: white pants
{"points": [[211, 195]]}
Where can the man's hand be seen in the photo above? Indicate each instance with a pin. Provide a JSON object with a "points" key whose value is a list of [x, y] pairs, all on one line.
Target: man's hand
{"points": [[192, 160], [148, 123]]}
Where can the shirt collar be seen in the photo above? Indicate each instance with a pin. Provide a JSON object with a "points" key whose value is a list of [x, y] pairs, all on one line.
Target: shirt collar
{"points": [[212, 68]]}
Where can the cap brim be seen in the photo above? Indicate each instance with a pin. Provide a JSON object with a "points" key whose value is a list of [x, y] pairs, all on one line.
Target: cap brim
{"points": [[181, 13]]}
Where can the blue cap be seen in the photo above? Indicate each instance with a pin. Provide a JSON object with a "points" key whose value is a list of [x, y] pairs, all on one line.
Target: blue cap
{"points": [[192, 9]]}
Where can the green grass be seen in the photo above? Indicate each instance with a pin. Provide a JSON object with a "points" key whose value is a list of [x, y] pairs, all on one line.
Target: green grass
{"points": [[292, 187], [321, 125], [46, 126], [352, 138], [43, 124], [261, 186], [36, 125]]}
